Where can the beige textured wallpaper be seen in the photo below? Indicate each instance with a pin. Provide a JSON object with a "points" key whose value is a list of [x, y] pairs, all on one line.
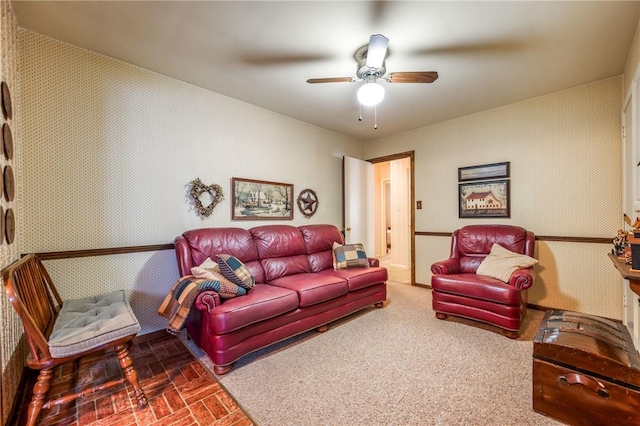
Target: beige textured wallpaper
{"points": [[12, 352], [565, 155], [104, 152], [109, 150]]}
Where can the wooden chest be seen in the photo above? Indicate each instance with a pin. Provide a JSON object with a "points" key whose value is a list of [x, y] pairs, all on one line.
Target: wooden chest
{"points": [[586, 371]]}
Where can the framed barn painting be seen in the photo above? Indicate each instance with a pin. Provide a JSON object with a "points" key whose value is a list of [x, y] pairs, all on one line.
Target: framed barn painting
{"points": [[484, 199], [261, 200]]}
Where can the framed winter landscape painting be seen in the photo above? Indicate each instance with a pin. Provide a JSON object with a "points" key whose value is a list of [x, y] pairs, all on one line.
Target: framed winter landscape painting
{"points": [[484, 172], [261, 200], [484, 199]]}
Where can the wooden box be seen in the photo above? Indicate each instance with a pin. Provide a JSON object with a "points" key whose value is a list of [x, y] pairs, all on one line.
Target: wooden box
{"points": [[586, 370]]}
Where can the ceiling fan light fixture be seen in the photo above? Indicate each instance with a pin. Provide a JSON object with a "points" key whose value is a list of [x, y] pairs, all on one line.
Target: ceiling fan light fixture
{"points": [[370, 93]]}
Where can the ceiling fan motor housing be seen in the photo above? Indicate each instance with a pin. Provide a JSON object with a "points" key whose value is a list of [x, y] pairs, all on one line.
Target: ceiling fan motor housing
{"points": [[363, 70]]}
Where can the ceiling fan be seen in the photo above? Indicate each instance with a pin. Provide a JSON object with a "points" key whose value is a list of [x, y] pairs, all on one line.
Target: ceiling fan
{"points": [[371, 67]]}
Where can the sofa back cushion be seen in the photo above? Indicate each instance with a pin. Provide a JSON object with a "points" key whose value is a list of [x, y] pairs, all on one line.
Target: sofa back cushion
{"points": [[281, 250], [238, 242], [473, 243], [319, 241]]}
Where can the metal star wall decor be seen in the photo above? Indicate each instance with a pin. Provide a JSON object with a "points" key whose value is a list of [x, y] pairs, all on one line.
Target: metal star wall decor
{"points": [[307, 202]]}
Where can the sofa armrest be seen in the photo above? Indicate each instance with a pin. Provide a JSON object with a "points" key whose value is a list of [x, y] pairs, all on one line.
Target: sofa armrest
{"points": [[446, 267], [522, 278], [207, 300], [373, 262]]}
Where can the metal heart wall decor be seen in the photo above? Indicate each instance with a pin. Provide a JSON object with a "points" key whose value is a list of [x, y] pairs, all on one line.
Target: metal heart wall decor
{"points": [[213, 191]]}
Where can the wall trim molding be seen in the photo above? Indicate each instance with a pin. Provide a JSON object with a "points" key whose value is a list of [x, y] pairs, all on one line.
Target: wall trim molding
{"points": [[591, 240], [70, 254], [55, 255]]}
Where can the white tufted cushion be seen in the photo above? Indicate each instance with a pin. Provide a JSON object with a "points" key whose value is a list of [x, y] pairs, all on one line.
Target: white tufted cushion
{"points": [[84, 324]]}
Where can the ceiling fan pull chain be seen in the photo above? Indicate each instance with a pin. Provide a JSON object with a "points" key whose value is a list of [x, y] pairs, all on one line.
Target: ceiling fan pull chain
{"points": [[360, 116], [375, 117]]}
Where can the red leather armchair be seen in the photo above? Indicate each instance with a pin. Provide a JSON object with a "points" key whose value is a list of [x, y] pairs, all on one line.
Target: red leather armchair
{"points": [[457, 290]]}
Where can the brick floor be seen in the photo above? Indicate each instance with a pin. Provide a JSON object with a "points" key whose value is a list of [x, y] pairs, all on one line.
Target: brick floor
{"points": [[180, 391]]}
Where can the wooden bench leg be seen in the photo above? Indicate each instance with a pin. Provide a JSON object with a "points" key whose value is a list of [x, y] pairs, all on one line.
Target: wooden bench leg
{"points": [[40, 390], [126, 364]]}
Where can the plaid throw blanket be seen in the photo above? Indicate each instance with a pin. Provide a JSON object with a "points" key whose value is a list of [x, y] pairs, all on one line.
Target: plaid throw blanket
{"points": [[177, 305]]}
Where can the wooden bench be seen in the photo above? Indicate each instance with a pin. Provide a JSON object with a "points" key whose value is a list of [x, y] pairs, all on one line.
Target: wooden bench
{"points": [[60, 332]]}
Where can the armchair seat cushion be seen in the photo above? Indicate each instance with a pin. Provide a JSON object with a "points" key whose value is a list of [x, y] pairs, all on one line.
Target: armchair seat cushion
{"points": [[478, 287]]}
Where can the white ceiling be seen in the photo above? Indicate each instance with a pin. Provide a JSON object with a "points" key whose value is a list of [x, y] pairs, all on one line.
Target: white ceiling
{"points": [[487, 54]]}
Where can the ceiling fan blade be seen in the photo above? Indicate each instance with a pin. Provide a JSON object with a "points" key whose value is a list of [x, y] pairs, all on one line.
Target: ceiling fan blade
{"points": [[331, 80], [262, 59], [412, 77], [377, 51]]}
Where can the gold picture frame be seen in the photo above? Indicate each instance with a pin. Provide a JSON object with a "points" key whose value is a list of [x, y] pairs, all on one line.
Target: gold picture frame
{"points": [[261, 200]]}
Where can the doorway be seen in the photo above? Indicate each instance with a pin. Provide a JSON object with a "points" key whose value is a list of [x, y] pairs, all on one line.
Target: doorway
{"points": [[394, 216]]}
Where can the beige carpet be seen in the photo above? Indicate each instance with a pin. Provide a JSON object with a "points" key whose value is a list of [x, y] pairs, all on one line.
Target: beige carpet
{"points": [[393, 366]]}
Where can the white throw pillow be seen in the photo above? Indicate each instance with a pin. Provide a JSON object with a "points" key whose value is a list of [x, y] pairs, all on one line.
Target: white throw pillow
{"points": [[501, 263], [208, 270]]}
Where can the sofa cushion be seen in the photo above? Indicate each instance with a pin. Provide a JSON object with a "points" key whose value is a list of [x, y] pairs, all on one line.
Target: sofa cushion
{"points": [[281, 250], [319, 241], [235, 271], [478, 287], [313, 288], [195, 246], [358, 278], [502, 263], [284, 266], [278, 241], [350, 256], [262, 302]]}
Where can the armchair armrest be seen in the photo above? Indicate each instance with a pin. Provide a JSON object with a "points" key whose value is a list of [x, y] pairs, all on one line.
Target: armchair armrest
{"points": [[446, 267], [207, 300], [522, 278], [373, 261]]}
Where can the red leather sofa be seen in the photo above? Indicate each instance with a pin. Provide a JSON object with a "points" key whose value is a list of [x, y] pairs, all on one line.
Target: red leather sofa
{"points": [[296, 288], [459, 291]]}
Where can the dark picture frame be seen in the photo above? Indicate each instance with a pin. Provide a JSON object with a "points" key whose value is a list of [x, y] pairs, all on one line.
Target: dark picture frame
{"points": [[484, 199], [484, 172], [261, 200]]}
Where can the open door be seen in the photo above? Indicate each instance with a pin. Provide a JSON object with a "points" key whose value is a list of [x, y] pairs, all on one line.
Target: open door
{"points": [[359, 204], [358, 214]]}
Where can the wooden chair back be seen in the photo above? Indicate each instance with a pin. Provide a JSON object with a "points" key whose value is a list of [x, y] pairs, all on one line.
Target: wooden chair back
{"points": [[36, 301]]}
